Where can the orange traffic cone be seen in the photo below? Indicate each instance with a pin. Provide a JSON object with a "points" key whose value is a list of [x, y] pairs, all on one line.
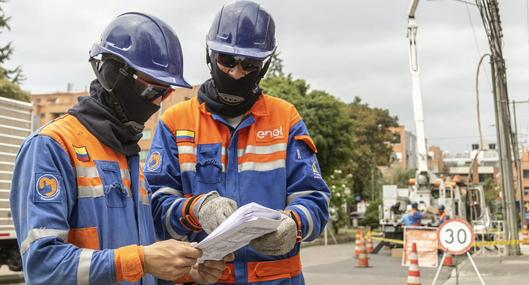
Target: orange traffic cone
{"points": [[414, 275], [358, 242], [363, 260], [449, 260], [369, 243]]}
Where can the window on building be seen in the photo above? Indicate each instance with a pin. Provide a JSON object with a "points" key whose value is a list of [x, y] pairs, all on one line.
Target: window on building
{"points": [[396, 138], [526, 191], [526, 173], [146, 134]]}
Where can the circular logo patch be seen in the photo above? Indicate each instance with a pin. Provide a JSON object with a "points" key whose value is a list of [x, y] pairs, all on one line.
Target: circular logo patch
{"points": [[154, 161], [48, 187]]}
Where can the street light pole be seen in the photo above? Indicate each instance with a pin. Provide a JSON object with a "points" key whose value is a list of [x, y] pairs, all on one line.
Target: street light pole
{"points": [[518, 159]]}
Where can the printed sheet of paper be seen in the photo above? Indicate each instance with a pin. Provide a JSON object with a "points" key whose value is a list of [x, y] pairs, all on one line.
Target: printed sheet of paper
{"points": [[247, 223]]}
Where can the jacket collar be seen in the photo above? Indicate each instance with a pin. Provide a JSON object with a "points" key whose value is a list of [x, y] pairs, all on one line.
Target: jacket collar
{"points": [[259, 109]]}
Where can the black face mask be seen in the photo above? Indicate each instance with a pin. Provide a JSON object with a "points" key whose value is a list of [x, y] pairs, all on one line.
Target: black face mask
{"points": [[132, 109], [233, 92]]}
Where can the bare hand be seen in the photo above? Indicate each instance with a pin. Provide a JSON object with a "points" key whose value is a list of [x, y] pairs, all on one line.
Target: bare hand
{"points": [[170, 259], [210, 271]]}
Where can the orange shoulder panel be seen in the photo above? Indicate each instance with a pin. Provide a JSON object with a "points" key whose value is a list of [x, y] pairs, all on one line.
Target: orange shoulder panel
{"points": [[274, 104], [79, 142], [181, 115]]}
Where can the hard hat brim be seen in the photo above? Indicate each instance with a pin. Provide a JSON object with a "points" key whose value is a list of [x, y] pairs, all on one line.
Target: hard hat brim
{"points": [[249, 52]]}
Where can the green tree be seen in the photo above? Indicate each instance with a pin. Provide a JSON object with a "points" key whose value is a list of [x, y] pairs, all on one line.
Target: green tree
{"points": [[339, 182], [399, 176], [492, 191], [9, 78], [372, 146], [371, 217]]}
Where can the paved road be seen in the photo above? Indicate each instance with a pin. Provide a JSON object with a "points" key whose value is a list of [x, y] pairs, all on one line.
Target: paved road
{"points": [[334, 264]]}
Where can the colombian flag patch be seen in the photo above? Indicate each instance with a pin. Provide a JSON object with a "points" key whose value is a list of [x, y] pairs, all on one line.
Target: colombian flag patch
{"points": [[185, 136], [81, 153]]}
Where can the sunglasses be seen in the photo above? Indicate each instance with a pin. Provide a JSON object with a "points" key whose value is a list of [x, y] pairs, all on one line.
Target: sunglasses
{"points": [[231, 61], [151, 91]]}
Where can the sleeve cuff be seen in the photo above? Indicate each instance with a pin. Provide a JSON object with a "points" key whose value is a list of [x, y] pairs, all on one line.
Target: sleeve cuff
{"points": [[129, 261]]}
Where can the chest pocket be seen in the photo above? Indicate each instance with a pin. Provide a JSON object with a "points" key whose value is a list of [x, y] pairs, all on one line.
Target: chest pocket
{"points": [[209, 163], [115, 191]]}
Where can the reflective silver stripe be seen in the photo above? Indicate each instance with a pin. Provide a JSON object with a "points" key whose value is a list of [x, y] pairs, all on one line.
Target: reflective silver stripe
{"points": [[188, 166], [187, 149], [91, 172], [262, 166], [36, 234], [83, 269], [95, 191], [296, 195], [90, 191], [168, 225], [310, 223], [125, 174], [262, 149], [167, 190]]}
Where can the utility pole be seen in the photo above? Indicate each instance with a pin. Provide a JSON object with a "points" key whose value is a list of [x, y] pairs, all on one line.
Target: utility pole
{"points": [[489, 11]]}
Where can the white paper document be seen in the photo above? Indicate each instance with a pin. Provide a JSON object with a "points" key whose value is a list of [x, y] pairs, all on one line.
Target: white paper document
{"points": [[247, 223]]}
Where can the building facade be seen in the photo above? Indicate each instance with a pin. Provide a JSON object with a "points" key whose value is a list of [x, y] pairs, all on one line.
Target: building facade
{"points": [[404, 148]]}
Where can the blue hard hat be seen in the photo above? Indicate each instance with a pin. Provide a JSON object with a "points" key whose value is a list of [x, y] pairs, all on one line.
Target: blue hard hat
{"points": [[243, 28], [146, 44]]}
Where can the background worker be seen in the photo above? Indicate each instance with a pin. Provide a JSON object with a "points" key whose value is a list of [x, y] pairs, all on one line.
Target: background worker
{"points": [[443, 216], [233, 145], [81, 210], [413, 217]]}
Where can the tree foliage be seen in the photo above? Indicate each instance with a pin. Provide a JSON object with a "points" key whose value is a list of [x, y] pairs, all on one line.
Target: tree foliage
{"points": [[372, 140], [339, 182], [9, 78]]}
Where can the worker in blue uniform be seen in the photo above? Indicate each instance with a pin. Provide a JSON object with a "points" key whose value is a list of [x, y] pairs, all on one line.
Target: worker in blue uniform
{"points": [[233, 145], [81, 209], [413, 217]]}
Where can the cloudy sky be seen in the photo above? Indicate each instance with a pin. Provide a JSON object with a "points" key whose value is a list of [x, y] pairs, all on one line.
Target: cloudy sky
{"points": [[346, 47]]}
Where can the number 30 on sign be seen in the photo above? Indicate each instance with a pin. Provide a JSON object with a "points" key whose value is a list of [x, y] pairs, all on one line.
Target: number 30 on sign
{"points": [[456, 236]]}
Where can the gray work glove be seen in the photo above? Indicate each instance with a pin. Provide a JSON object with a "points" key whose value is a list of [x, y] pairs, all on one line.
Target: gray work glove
{"points": [[279, 242], [213, 210]]}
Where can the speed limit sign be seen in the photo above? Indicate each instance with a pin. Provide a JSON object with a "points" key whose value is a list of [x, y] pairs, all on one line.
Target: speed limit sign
{"points": [[456, 236]]}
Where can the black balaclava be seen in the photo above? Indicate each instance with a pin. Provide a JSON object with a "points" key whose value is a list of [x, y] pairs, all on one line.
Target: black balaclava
{"points": [[132, 109], [227, 96], [101, 120]]}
